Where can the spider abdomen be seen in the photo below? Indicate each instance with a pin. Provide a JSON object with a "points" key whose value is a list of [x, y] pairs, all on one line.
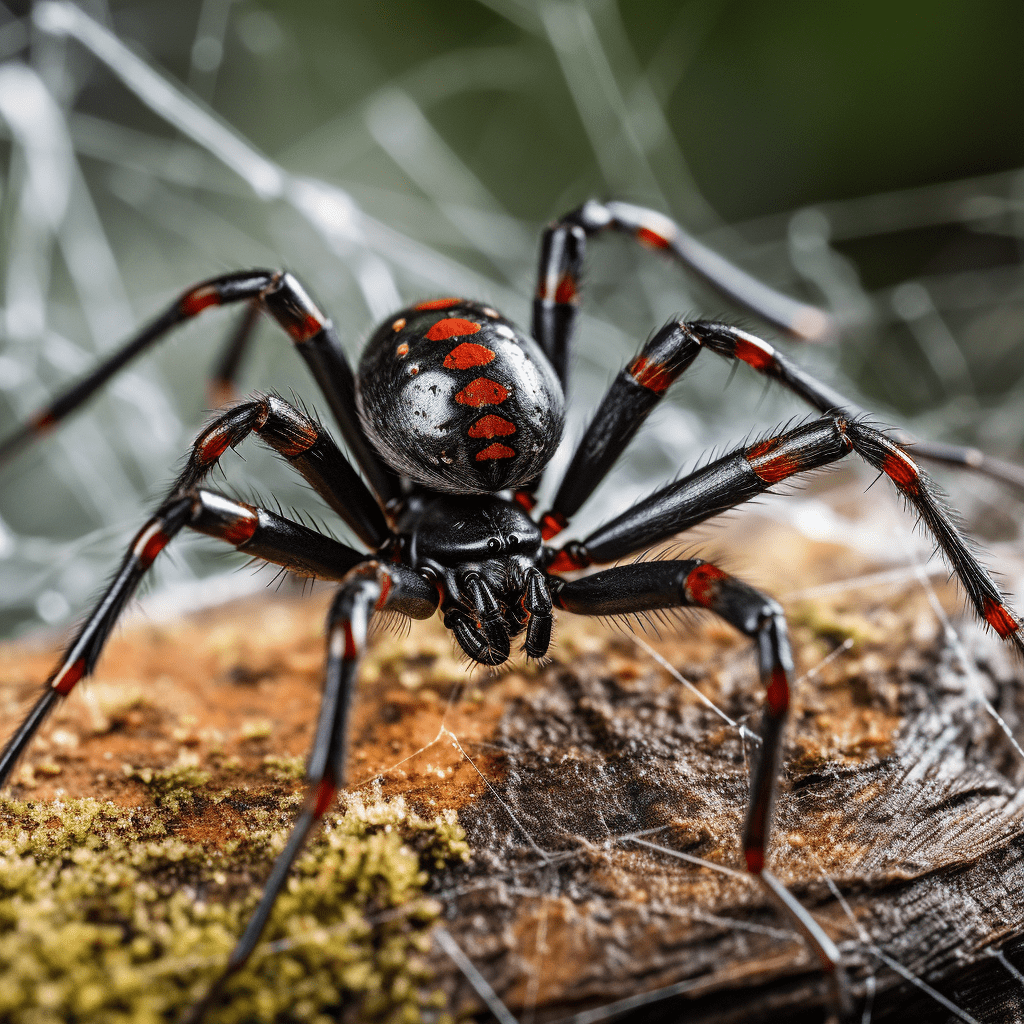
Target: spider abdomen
{"points": [[457, 398]]}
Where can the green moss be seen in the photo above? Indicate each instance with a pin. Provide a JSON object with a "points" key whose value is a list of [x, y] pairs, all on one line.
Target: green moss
{"points": [[114, 914], [284, 768], [174, 788], [834, 627]]}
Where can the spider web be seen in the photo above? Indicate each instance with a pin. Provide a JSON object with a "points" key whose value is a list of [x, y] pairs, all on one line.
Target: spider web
{"points": [[125, 185]]}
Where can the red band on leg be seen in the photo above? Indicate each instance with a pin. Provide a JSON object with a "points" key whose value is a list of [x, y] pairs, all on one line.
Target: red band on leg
{"points": [[654, 376], [754, 352], [777, 694], [755, 860], [64, 681], [901, 470], [648, 237], [997, 616], [702, 585], [551, 524], [196, 301], [149, 542], [323, 796]]}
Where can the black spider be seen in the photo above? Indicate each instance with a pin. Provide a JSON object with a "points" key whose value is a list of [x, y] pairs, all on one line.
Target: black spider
{"points": [[454, 408]]}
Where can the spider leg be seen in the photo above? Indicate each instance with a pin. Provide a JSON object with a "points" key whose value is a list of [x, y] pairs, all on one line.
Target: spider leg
{"points": [[305, 445], [628, 402], [646, 586], [482, 634], [752, 470], [370, 587], [734, 343], [640, 386], [254, 531], [220, 388], [563, 246], [283, 298]]}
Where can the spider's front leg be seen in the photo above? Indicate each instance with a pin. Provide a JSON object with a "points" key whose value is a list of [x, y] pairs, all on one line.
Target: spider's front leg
{"points": [[750, 471], [370, 587], [308, 448], [283, 298], [253, 531], [647, 586]]}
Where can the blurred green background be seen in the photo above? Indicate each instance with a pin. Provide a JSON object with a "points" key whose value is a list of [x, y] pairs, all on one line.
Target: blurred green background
{"points": [[865, 157]]}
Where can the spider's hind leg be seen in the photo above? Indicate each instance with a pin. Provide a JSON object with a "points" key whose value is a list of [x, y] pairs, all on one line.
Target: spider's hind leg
{"points": [[562, 251]]}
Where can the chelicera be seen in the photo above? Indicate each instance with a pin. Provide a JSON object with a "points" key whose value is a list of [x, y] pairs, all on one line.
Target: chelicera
{"points": [[450, 421]]}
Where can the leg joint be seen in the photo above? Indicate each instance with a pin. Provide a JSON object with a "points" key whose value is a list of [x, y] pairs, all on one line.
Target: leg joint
{"points": [[286, 300]]}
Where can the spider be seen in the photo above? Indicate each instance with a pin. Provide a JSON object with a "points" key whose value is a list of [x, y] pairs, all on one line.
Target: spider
{"points": [[451, 419]]}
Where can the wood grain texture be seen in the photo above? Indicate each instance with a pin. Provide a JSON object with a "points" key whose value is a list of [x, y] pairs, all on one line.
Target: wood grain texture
{"points": [[578, 781]]}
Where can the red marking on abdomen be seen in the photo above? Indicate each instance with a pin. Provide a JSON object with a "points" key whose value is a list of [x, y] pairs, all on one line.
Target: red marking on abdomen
{"points": [[385, 589], [902, 471], [648, 237], [655, 377], [491, 426], [398, 324], [551, 524], [438, 304], [322, 797], [196, 301], [451, 327], [402, 350], [495, 451], [758, 355], [997, 616], [771, 469], [482, 391], [702, 584], [466, 355], [755, 860], [777, 694], [565, 291], [65, 679]]}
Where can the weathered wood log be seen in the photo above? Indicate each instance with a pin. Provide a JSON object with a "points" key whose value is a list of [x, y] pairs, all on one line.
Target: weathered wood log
{"points": [[600, 797]]}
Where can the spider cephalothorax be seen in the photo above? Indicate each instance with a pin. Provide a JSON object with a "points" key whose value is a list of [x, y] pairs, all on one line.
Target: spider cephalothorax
{"points": [[453, 417], [486, 555]]}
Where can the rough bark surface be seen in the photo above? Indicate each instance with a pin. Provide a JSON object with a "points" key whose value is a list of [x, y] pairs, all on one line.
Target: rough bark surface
{"points": [[578, 782]]}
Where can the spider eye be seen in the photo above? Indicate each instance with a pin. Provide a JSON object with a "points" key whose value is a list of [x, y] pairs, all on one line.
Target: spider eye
{"points": [[494, 545]]}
